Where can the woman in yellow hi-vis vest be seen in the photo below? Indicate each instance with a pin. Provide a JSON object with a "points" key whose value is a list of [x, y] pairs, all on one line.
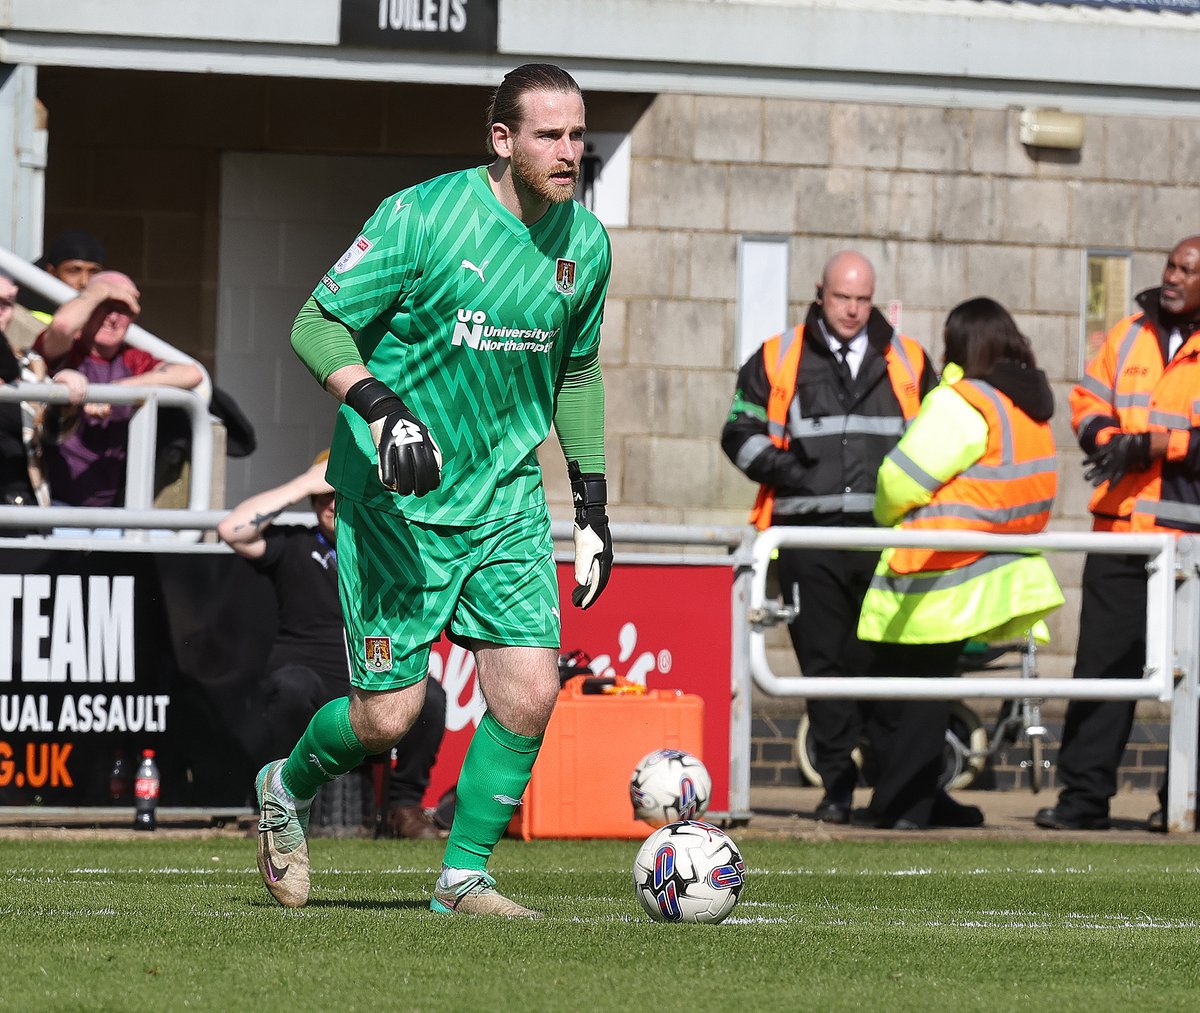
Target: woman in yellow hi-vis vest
{"points": [[997, 474]]}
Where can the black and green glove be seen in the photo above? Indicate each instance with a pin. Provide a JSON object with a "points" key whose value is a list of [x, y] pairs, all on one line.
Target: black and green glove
{"points": [[593, 541], [410, 461]]}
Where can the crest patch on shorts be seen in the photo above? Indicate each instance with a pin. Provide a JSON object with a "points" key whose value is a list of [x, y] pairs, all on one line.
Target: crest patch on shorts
{"points": [[358, 250], [378, 653], [564, 276]]}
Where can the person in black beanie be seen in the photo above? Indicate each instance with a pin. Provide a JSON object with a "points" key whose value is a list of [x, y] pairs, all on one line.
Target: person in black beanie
{"points": [[74, 257]]}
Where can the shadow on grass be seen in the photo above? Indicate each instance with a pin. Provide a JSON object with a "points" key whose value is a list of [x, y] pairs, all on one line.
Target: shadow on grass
{"points": [[365, 904]]}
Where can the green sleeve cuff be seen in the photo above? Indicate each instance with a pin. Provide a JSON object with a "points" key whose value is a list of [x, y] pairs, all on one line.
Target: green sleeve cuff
{"points": [[579, 416]]}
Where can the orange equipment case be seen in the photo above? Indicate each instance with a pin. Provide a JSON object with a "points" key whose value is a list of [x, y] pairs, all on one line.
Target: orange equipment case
{"points": [[580, 783]]}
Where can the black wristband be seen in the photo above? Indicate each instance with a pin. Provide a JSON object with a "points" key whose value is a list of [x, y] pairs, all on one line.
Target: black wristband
{"points": [[372, 399], [589, 493]]}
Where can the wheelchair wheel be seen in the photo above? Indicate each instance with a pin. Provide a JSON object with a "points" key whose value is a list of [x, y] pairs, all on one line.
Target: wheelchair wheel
{"points": [[1037, 764], [806, 757], [965, 752]]}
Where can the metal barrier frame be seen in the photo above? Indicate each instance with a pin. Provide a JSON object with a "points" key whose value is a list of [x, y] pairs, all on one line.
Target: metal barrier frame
{"points": [[58, 292], [143, 432], [143, 426], [1172, 621], [1172, 626]]}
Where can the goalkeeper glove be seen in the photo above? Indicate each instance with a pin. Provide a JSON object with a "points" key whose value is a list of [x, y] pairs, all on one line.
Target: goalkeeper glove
{"points": [[593, 541], [1125, 452], [410, 462]]}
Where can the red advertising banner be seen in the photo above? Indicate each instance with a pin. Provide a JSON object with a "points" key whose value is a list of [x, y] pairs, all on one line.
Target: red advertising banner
{"points": [[108, 653], [665, 627]]}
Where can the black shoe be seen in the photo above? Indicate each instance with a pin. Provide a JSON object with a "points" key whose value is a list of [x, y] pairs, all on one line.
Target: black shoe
{"points": [[1156, 822], [1051, 819], [830, 810], [948, 813], [867, 818]]}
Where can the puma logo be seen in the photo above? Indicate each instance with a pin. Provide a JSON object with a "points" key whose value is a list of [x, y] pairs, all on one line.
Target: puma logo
{"points": [[467, 265], [506, 800]]}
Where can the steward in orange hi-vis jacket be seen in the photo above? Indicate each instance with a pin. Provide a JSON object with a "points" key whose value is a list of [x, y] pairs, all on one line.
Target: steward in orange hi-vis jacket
{"points": [[1142, 391], [1137, 417], [812, 430]]}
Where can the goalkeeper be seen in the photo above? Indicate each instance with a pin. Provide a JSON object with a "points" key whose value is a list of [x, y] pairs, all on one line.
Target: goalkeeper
{"points": [[460, 323]]}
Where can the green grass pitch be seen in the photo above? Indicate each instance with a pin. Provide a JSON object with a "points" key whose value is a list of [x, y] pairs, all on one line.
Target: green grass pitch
{"points": [[166, 923]]}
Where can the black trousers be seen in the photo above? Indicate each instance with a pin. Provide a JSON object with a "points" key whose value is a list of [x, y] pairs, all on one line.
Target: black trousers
{"points": [[1112, 645], [294, 693], [832, 584], [908, 737]]}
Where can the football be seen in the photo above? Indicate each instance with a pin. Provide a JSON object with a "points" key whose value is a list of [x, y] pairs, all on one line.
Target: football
{"points": [[669, 785], [689, 872]]}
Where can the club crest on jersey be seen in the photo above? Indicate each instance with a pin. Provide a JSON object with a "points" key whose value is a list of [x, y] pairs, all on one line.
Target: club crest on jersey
{"points": [[564, 276], [358, 250], [378, 651]]}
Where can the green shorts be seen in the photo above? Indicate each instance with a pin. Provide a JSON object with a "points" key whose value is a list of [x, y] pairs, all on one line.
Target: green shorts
{"points": [[402, 584]]}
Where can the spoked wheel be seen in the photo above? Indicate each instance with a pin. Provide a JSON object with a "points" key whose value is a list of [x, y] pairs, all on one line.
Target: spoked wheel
{"points": [[965, 753], [1035, 733], [1037, 766], [806, 756], [966, 749]]}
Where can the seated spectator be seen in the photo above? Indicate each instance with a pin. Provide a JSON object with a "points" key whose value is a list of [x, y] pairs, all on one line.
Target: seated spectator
{"points": [[21, 482], [84, 344], [308, 666]]}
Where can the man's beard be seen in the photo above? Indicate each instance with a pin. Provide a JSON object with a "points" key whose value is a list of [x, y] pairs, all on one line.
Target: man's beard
{"points": [[537, 181]]}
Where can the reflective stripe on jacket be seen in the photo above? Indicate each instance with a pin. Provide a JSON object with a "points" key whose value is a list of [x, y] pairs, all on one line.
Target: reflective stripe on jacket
{"points": [[1128, 386], [905, 360], [1009, 490]]}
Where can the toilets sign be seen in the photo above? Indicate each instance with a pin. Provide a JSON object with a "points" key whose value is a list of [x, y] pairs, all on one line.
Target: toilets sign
{"points": [[466, 25]]}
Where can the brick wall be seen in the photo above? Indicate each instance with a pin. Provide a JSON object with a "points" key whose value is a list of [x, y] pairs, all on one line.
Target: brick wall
{"points": [[773, 755]]}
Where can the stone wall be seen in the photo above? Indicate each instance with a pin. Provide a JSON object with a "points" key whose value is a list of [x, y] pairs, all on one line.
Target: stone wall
{"points": [[946, 202]]}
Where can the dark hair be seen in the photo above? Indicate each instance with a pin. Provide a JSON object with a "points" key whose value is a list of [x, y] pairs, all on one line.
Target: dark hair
{"points": [[75, 245], [505, 106], [980, 333]]}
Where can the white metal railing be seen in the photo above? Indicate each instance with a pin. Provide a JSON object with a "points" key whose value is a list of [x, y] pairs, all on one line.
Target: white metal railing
{"points": [[49, 287], [140, 452], [143, 426], [1172, 628]]}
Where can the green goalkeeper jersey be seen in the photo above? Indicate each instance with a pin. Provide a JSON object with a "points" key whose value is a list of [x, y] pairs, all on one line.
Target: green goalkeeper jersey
{"points": [[472, 317]]}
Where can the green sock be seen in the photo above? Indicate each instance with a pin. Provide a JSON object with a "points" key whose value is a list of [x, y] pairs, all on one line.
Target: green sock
{"points": [[495, 774], [327, 749]]}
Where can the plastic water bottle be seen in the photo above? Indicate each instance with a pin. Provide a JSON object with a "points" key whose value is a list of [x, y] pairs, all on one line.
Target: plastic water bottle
{"points": [[145, 792]]}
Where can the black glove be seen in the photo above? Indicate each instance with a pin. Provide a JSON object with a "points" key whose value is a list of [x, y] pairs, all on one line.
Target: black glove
{"points": [[593, 541], [410, 462], [1125, 452]]}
